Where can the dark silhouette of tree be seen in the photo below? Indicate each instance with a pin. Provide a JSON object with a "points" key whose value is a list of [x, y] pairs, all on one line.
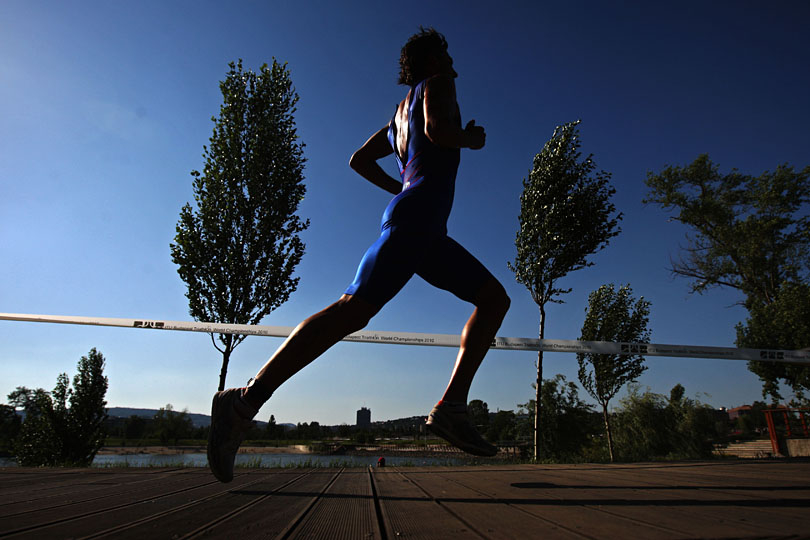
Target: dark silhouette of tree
{"points": [[566, 419], [171, 426], [65, 427], [9, 428], [782, 324], [751, 234], [612, 316], [479, 414]]}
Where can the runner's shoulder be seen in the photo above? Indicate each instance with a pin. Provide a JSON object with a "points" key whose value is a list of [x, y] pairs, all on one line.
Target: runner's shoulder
{"points": [[440, 85]]}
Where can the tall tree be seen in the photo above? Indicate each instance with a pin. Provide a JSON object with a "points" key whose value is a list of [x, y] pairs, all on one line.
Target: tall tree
{"points": [[238, 248], [565, 216], [87, 411], [749, 233], [612, 316]]}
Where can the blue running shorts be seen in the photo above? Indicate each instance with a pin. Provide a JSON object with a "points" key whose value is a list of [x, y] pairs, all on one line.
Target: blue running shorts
{"points": [[399, 253]]}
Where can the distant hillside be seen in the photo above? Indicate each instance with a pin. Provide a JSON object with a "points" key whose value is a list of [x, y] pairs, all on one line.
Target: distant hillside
{"points": [[202, 420], [198, 420]]}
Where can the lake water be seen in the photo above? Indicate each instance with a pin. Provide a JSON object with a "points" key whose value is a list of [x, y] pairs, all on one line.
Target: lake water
{"points": [[258, 460]]}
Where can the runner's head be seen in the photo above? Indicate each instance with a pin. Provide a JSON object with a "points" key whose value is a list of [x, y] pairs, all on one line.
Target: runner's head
{"points": [[424, 55]]}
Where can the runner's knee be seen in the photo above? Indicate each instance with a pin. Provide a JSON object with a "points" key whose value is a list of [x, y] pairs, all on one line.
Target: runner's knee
{"points": [[356, 312], [493, 298]]}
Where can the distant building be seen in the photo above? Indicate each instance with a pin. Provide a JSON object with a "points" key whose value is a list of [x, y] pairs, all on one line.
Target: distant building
{"points": [[737, 412], [363, 417]]}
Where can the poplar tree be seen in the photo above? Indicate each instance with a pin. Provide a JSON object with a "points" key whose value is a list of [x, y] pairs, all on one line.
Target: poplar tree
{"points": [[612, 316], [237, 248], [565, 216]]}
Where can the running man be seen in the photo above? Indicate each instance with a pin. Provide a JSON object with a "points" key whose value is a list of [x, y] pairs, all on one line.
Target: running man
{"points": [[425, 135]]}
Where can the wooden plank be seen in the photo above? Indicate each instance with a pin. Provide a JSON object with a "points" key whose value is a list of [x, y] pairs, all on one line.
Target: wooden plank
{"points": [[13, 480], [606, 503], [708, 499], [567, 509], [209, 513], [730, 501], [274, 513], [348, 501], [91, 516], [53, 491], [676, 498], [65, 507], [491, 517], [407, 512]]}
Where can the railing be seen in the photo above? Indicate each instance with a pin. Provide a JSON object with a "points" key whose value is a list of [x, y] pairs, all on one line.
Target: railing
{"points": [[787, 415]]}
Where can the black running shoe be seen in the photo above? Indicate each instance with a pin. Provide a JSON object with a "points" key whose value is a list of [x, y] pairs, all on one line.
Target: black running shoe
{"points": [[227, 431], [451, 422]]}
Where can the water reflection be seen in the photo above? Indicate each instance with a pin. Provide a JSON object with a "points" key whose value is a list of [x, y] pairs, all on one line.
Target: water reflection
{"points": [[257, 460]]}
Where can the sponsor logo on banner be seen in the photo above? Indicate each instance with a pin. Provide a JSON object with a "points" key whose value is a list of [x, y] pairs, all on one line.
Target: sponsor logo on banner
{"points": [[771, 355], [634, 348], [148, 324]]}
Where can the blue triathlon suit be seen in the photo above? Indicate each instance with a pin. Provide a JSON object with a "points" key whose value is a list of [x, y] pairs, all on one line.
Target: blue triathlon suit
{"points": [[414, 225]]}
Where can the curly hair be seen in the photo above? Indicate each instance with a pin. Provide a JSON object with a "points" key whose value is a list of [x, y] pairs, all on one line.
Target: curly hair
{"points": [[416, 52]]}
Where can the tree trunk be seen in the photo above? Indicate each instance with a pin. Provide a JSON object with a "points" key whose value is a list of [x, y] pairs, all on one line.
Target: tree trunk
{"points": [[538, 391], [226, 357], [606, 416]]}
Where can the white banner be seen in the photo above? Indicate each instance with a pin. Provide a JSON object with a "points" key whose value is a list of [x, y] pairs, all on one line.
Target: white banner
{"points": [[441, 340]]}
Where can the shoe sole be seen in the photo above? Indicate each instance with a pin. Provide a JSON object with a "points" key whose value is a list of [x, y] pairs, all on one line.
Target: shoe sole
{"points": [[217, 474]]}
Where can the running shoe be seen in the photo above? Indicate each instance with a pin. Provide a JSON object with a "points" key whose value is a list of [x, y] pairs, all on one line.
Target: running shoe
{"points": [[451, 423], [228, 429]]}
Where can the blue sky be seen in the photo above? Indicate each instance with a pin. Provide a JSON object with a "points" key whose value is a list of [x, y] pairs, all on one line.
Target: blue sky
{"points": [[106, 106]]}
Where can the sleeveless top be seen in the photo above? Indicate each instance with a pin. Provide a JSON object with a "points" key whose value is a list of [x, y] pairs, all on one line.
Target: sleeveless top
{"points": [[428, 174]]}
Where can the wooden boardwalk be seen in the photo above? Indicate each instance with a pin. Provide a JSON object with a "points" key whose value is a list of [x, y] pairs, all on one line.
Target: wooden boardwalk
{"points": [[720, 499]]}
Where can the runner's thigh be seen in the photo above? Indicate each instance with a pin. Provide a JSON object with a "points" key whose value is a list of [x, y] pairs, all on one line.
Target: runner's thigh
{"points": [[452, 268]]}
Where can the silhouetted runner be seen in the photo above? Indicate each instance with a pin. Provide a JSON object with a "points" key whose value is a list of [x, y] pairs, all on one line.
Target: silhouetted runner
{"points": [[425, 135]]}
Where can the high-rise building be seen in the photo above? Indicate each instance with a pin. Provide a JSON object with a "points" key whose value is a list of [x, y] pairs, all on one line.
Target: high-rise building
{"points": [[363, 417]]}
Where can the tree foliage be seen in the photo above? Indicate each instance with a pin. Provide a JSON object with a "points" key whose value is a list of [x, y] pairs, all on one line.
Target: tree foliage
{"points": [[617, 317], [782, 324], [170, 426], [502, 427], [752, 234], [273, 430], [565, 216], [478, 412], [652, 426], [237, 250], [9, 428], [566, 420], [65, 427], [748, 233]]}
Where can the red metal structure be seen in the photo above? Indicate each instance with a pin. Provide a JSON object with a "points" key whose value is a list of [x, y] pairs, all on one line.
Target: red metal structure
{"points": [[787, 415]]}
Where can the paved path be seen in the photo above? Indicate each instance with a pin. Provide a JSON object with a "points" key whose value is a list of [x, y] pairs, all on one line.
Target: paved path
{"points": [[720, 499]]}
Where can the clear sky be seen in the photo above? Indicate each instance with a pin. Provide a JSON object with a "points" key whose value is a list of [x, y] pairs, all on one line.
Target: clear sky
{"points": [[105, 108]]}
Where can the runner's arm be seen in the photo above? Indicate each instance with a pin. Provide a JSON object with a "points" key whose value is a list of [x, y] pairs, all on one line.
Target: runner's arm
{"points": [[364, 162], [440, 126]]}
